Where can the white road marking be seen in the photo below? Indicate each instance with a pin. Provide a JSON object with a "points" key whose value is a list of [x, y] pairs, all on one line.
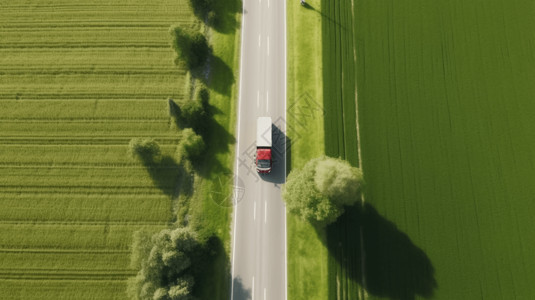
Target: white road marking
{"points": [[264, 293], [265, 212], [267, 101], [268, 3], [254, 214], [268, 45]]}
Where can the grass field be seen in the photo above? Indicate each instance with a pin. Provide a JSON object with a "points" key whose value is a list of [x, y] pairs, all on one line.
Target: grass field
{"points": [[78, 80], [444, 104], [446, 113]]}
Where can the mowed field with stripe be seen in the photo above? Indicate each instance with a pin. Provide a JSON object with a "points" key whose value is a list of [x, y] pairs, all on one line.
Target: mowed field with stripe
{"points": [[78, 80], [446, 116]]}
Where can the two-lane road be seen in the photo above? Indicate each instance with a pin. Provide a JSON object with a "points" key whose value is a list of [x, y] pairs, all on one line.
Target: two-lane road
{"points": [[259, 224]]}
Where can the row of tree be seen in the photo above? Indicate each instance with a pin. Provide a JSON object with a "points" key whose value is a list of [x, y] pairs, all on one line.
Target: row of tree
{"points": [[320, 190], [166, 261]]}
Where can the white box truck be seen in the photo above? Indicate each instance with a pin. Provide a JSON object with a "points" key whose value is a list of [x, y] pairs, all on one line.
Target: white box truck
{"points": [[263, 158]]}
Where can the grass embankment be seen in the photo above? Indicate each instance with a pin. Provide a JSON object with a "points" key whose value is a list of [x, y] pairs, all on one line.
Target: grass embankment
{"points": [[446, 109], [307, 254], [211, 205], [70, 196], [75, 88]]}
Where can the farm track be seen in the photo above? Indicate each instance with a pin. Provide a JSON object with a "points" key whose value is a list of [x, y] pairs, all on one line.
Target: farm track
{"points": [[341, 140], [78, 80], [58, 274]]}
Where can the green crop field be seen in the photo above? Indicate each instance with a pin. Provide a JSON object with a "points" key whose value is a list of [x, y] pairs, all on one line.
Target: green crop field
{"points": [[78, 80], [445, 110], [446, 115]]}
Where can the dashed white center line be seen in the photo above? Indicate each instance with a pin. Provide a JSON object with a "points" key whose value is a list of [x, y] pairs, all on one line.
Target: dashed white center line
{"points": [[259, 41], [265, 212], [264, 293], [253, 287], [268, 45], [268, 3]]}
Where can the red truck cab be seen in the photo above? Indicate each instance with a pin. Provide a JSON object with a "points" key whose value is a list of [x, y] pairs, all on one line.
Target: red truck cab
{"points": [[263, 158]]}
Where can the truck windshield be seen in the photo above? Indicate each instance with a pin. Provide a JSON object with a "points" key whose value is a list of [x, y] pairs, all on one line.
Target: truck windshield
{"points": [[264, 163]]}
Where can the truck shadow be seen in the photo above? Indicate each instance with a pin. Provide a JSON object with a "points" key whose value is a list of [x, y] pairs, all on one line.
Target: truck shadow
{"points": [[391, 266]]}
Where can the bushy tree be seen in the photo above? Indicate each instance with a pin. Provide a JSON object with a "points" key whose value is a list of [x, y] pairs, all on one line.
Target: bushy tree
{"points": [[192, 114], [303, 199], [146, 149], [338, 180], [191, 47], [318, 192], [191, 145], [165, 270]]}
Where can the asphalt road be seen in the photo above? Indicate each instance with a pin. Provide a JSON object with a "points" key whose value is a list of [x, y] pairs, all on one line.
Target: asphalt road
{"points": [[259, 224]]}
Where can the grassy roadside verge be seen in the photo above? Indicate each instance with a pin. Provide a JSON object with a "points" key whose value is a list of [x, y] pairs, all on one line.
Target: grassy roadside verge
{"points": [[307, 254], [324, 263], [210, 210]]}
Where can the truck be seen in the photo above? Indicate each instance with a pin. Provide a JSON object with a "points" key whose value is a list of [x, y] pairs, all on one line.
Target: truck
{"points": [[263, 158]]}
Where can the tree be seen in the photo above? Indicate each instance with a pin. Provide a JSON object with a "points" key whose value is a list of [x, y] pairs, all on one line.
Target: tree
{"points": [[191, 47], [338, 180], [304, 199], [192, 114], [146, 149], [164, 271], [318, 192], [191, 145]]}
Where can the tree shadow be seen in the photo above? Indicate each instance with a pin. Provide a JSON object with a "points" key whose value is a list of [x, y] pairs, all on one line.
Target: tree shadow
{"points": [[217, 140], [219, 15], [225, 18], [240, 292], [212, 270], [164, 174], [221, 77], [392, 265]]}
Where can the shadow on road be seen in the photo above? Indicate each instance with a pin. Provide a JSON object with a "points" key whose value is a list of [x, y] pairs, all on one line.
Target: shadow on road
{"points": [[240, 292]]}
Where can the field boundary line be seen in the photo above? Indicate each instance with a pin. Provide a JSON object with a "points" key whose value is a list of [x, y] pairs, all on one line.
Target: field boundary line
{"points": [[359, 152]]}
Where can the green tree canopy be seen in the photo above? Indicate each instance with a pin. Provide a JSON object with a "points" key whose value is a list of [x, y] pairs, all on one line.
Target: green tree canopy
{"points": [[318, 192], [191, 145], [338, 180], [165, 267], [146, 149], [191, 47]]}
